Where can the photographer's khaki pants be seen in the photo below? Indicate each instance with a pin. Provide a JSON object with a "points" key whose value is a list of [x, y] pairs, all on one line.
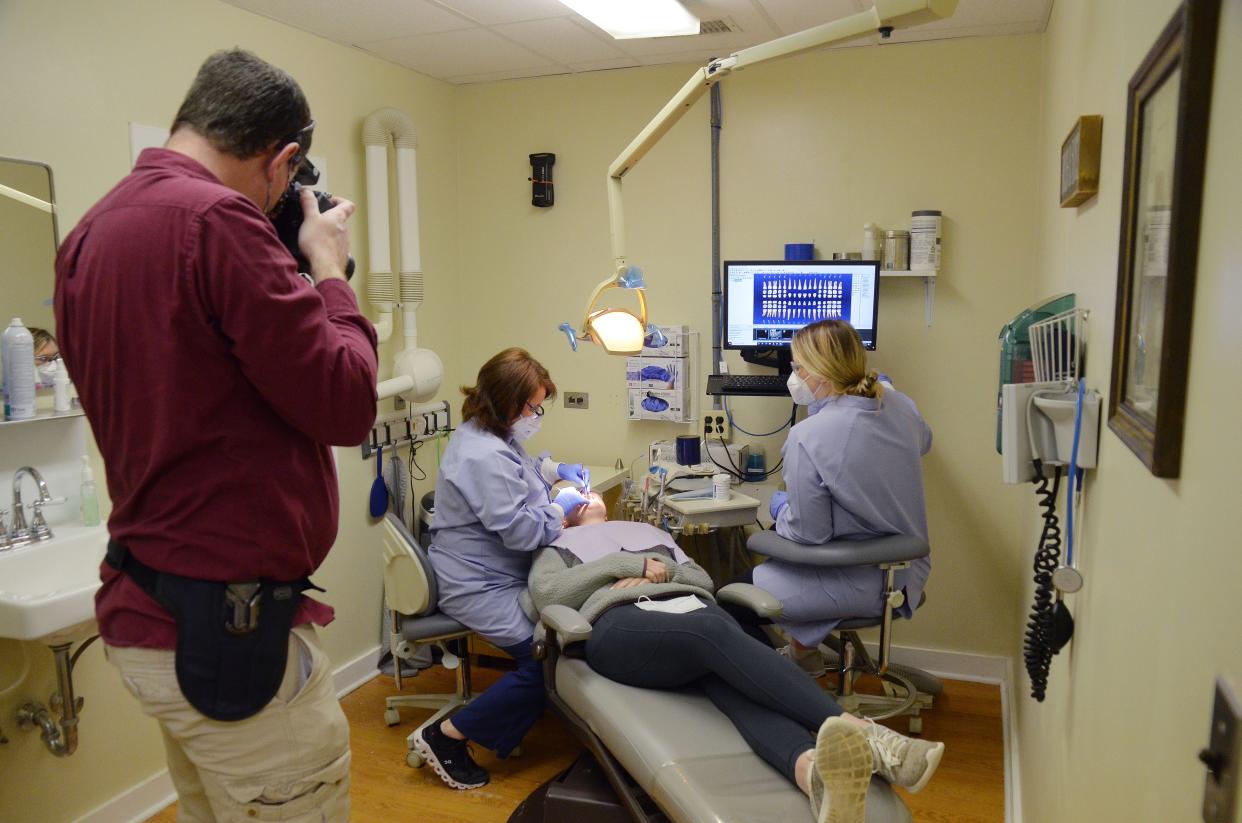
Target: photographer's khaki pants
{"points": [[289, 762]]}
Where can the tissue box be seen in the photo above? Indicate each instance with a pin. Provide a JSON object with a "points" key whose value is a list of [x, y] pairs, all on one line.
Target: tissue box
{"points": [[663, 373], [678, 343], [653, 404]]}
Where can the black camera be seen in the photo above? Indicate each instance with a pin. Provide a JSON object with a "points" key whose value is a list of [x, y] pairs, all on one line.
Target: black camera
{"points": [[288, 218]]}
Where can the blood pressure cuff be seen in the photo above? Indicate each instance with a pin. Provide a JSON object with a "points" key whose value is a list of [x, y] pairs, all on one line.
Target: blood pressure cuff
{"points": [[232, 638]]}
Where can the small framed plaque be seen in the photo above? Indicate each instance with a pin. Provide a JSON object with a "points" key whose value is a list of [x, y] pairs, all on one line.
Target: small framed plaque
{"points": [[1080, 161]]}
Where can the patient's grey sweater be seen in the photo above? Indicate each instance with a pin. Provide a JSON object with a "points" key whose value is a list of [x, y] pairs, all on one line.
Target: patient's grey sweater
{"points": [[558, 577]]}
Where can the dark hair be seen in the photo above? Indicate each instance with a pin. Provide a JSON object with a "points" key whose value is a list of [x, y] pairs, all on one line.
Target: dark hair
{"points": [[505, 384], [243, 105]]}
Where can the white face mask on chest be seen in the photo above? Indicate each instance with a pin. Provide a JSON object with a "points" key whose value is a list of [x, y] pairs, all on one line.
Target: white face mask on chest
{"points": [[526, 427]]}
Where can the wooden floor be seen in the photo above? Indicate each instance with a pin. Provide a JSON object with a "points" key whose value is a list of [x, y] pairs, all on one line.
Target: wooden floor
{"points": [[968, 788]]}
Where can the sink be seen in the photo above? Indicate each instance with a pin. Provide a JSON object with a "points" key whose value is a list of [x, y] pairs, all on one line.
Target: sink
{"points": [[47, 589]]}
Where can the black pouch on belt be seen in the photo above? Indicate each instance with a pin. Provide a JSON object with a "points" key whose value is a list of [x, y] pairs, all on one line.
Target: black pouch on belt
{"points": [[232, 638]]}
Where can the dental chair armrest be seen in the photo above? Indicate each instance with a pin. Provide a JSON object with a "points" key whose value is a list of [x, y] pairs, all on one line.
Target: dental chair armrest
{"points": [[569, 625], [760, 601], [874, 551]]}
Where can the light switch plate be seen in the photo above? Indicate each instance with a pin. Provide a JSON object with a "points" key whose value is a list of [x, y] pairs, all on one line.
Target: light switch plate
{"points": [[1223, 756]]}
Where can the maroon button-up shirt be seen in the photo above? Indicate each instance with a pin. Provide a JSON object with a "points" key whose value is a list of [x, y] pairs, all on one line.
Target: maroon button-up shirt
{"points": [[214, 379]]}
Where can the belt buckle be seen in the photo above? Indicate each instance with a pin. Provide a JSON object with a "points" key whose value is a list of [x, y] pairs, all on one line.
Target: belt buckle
{"points": [[241, 602]]}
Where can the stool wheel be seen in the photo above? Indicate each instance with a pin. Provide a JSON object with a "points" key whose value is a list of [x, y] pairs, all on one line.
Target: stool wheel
{"points": [[391, 717], [413, 759]]}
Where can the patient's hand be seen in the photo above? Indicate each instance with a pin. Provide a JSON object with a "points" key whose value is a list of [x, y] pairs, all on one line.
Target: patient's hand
{"points": [[655, 570], [629, 582]]}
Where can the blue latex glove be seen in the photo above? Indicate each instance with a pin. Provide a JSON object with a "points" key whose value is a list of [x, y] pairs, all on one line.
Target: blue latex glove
{"points": [[654, 404], [574, 473], [779, 501], [570, 499], [658, 373], [884, 378]]}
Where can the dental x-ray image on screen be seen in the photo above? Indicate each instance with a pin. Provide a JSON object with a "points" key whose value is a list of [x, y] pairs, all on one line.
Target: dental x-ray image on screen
{"points": [[767, 301]]}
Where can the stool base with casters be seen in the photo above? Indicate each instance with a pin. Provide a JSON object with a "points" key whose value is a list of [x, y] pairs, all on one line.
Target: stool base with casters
{"points": [[907, 691]]}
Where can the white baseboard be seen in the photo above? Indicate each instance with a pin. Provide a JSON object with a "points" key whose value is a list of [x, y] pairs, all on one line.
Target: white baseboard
{"points": [[140, 802], [975, 668]]}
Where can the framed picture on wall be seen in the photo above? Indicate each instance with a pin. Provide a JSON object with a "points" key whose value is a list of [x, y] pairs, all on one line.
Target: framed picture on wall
{"points": [[1080, 161], [1162, 194]]}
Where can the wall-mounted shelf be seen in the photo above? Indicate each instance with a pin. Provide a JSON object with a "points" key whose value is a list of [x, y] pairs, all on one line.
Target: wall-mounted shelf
{"points": [[929, 286], [45, 414]]}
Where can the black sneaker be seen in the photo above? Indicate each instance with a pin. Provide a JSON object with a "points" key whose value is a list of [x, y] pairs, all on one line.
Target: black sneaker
{"points": [[450, 759]]}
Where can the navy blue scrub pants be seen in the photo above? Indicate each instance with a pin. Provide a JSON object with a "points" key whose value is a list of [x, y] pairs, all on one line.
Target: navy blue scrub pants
{"points": [[501, 716], [773, 704]]}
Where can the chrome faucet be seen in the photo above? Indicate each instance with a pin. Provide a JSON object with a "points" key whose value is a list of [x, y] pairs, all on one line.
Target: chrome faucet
{"points": [[19, 534]]}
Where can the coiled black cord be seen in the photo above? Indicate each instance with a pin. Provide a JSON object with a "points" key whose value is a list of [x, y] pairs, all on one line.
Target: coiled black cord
{"points": [[1040, 643]]}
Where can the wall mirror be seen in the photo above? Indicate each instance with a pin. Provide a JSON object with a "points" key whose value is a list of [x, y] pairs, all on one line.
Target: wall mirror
{"points": [[28, 242]]}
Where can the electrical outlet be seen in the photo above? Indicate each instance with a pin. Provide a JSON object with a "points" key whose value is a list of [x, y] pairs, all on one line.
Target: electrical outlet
{"points": [[577, 400], [716, 427], [1222, 757]]}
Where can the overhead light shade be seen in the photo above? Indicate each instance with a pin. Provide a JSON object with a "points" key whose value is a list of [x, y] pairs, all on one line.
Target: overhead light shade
{"points": [[628, 19], [617, 330]]}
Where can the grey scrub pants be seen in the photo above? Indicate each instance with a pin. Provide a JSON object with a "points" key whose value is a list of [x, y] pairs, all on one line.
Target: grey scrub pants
{"points": [[774, 705]]}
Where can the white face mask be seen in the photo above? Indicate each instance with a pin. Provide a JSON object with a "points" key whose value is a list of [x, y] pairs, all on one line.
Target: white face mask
{"points": [[526, 427], [799, 390], [46, 373]]}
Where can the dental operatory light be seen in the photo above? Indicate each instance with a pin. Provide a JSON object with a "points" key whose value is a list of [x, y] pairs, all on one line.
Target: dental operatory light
{"points": [[608, 327], [637, 18]]}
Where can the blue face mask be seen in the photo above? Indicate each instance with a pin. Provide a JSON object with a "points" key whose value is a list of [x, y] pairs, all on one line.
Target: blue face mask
{"points": [[526, 427]]}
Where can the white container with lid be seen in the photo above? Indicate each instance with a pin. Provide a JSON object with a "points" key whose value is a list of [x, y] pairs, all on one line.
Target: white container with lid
{"points": [[925, 240]]}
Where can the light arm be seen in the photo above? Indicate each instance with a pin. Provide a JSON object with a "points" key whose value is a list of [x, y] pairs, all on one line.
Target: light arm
{"points": [[884, 12], [22, 197]]}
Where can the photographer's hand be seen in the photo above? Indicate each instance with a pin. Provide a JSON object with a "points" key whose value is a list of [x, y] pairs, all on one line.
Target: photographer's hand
{"points": [[323, 237]]}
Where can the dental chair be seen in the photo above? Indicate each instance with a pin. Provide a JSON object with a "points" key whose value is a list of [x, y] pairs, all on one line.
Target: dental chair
{"points": [[411, 596], [907, 691], [666, 755]]}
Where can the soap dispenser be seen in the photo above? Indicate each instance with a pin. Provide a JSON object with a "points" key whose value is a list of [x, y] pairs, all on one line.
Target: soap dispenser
{"points": [[90, 501]]}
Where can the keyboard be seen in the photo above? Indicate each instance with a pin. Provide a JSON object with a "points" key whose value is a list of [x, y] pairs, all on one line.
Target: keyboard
{"points": [[750, 384]]}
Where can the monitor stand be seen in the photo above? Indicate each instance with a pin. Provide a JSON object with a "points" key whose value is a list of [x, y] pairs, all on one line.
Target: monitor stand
{"points": [[775, 357]]}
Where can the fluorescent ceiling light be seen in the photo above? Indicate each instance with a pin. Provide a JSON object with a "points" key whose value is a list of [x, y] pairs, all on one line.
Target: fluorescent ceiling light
{"points": [[628, 19]]}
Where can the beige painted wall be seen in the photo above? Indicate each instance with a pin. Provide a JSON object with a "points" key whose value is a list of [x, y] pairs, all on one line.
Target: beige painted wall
{"points": [[86, 70], [811, 149], [1129, 701]]}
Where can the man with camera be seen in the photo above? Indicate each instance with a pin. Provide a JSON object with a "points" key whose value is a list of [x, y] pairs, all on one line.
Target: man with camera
{"points": [[215, 379]]}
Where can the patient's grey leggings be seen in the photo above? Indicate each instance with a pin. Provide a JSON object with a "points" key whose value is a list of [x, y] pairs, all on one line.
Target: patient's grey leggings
{"points": [[773, 703]]}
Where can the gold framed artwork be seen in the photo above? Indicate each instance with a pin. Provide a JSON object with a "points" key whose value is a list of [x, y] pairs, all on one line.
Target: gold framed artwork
{"points": [[1166, 135], [1080, 161]]}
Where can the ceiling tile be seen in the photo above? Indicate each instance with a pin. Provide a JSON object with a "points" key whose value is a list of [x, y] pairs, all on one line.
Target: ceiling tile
{"points": [[602, 65], [516, 74], [358, 21], [795, 15], [560, 39], [456, 53], [492, 12]]}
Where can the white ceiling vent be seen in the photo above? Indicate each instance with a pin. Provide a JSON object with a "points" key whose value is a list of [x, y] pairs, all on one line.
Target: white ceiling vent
{"points": [[720, 26]]}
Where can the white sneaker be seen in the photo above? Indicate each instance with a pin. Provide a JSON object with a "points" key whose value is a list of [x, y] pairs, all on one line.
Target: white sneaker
{"points": [[840, 773], [904, 761]]}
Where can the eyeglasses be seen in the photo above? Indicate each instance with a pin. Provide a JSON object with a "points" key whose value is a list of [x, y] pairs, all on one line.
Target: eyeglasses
{"points": [[535, 410], [44, 359]]}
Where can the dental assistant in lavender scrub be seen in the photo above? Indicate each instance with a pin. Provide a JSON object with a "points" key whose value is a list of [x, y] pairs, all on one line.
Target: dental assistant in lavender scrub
{"points": [[493, 510]]}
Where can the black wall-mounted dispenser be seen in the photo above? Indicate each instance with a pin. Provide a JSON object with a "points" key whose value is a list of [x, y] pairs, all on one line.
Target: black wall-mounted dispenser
{"points": [[541, 179]]}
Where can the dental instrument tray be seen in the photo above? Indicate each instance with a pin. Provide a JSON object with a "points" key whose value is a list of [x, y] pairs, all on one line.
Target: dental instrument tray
{"points": [[738, 510]]}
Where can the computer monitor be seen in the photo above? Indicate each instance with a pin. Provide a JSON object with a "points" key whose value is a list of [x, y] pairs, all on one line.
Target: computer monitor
{"points": [[766, 301]]}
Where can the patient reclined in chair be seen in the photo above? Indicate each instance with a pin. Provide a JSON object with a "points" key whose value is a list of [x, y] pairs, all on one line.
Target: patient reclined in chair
{"points": [[650, 620]]}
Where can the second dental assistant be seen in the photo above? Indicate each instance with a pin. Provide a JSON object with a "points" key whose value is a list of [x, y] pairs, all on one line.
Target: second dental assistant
{"points": [[493, 509]]}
